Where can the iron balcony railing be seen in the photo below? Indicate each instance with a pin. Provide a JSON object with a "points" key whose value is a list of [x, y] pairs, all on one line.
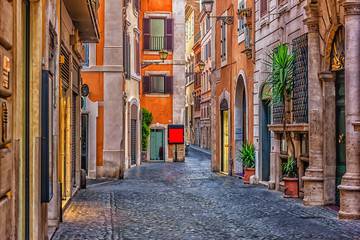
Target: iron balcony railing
{"points": [[157, 43]]}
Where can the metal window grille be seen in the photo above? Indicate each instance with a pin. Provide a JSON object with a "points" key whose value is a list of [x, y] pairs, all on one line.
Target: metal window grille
{"points": [[300, 85], [263, 8]]}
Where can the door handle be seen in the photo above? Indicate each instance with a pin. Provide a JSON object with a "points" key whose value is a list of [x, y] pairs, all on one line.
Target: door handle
{"points": [[341, 138]]}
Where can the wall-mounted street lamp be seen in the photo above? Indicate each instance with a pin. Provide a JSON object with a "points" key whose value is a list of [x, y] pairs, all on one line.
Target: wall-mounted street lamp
{"points": [[201, 66], [163, 56], [208, 7]]}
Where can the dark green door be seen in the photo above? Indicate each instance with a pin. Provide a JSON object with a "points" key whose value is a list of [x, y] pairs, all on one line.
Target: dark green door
{"points": [[340, 131], [157, 144], [266, 141]]}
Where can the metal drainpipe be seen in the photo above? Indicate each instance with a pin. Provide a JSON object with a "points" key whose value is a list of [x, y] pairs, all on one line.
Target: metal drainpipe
{"points": [[27, 122]]}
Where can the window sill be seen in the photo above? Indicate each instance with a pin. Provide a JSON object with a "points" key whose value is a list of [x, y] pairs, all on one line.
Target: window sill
{"points": [[264, 21], [224, 62], [135, 77], [283, 8], [154, 52], [157, 95], [241, 37]]}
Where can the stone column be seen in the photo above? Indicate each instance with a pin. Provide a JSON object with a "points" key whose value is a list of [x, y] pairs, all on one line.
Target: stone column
{"points": [[215, 75], [113, 153], [313, 179], [328, 80], [350, 186]]}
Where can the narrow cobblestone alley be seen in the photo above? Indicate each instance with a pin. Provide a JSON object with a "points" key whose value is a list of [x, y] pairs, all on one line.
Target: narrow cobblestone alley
{"points": [[187, 201]]}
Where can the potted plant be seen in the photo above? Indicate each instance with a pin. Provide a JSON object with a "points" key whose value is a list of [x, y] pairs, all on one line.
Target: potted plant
{"points": [[147, 118], [281, 81], [289, 170], [247, 155]]}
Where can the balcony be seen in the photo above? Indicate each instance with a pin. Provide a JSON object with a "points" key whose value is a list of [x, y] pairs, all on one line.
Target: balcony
{"points": [[157, 43], [85, 18]]}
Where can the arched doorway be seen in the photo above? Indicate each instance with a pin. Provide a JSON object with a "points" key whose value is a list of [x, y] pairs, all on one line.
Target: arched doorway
{"points": [[337, 59], [240, 121], [265, 135], [224, 113]]}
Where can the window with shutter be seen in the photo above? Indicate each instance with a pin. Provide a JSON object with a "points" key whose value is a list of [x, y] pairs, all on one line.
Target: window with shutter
{"points": [[126, 55], [263, 7], [209, 48], [137, 56], [158, 34], [223, 41], [146, 34], [146, 84], [169, 84], [241, 21], [206, 52], [169, 35]]}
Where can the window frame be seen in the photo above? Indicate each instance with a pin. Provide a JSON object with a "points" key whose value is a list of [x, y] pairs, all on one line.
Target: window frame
{"points": [[164, 19], [241, 21], [151, 90]]}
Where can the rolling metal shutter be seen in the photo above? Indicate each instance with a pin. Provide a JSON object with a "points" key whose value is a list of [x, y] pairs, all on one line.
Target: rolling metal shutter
{"points": [[73, 137], [133, 142]]}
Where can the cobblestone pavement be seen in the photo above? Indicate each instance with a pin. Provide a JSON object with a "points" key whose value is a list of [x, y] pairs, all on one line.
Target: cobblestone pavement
{"points": [[187, 201]]}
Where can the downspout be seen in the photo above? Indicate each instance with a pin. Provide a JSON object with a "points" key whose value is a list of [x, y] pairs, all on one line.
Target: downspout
{"points": [[27, 120], [253, 34]]}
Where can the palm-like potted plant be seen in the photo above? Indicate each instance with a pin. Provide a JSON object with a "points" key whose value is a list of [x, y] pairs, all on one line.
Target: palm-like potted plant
{"points": [[281, 81], [289, 170], [247, 155]]}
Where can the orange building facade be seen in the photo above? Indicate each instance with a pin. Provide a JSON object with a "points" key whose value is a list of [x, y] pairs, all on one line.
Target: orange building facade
{"points": [[233, 82], [163, 82]]}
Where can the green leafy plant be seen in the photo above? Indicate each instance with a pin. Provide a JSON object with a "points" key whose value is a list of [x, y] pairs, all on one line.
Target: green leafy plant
{"points": [[147, 118], [289, 168], [281, 80], [247, 155], [281, 77]]}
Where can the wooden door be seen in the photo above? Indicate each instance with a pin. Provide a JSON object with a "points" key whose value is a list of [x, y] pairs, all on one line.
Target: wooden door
{"points": [[225, 142]]}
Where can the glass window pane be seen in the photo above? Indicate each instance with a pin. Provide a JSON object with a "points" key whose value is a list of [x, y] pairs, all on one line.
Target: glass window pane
{"points": [[157, 84], [157, 27]]}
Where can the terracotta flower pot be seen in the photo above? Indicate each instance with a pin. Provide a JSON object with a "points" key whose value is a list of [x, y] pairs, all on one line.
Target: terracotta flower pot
{"points": [[248, 173], [291, 189]]}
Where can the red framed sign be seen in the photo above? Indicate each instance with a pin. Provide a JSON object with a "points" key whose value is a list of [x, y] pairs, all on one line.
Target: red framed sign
{"points": [[176, 134]]}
